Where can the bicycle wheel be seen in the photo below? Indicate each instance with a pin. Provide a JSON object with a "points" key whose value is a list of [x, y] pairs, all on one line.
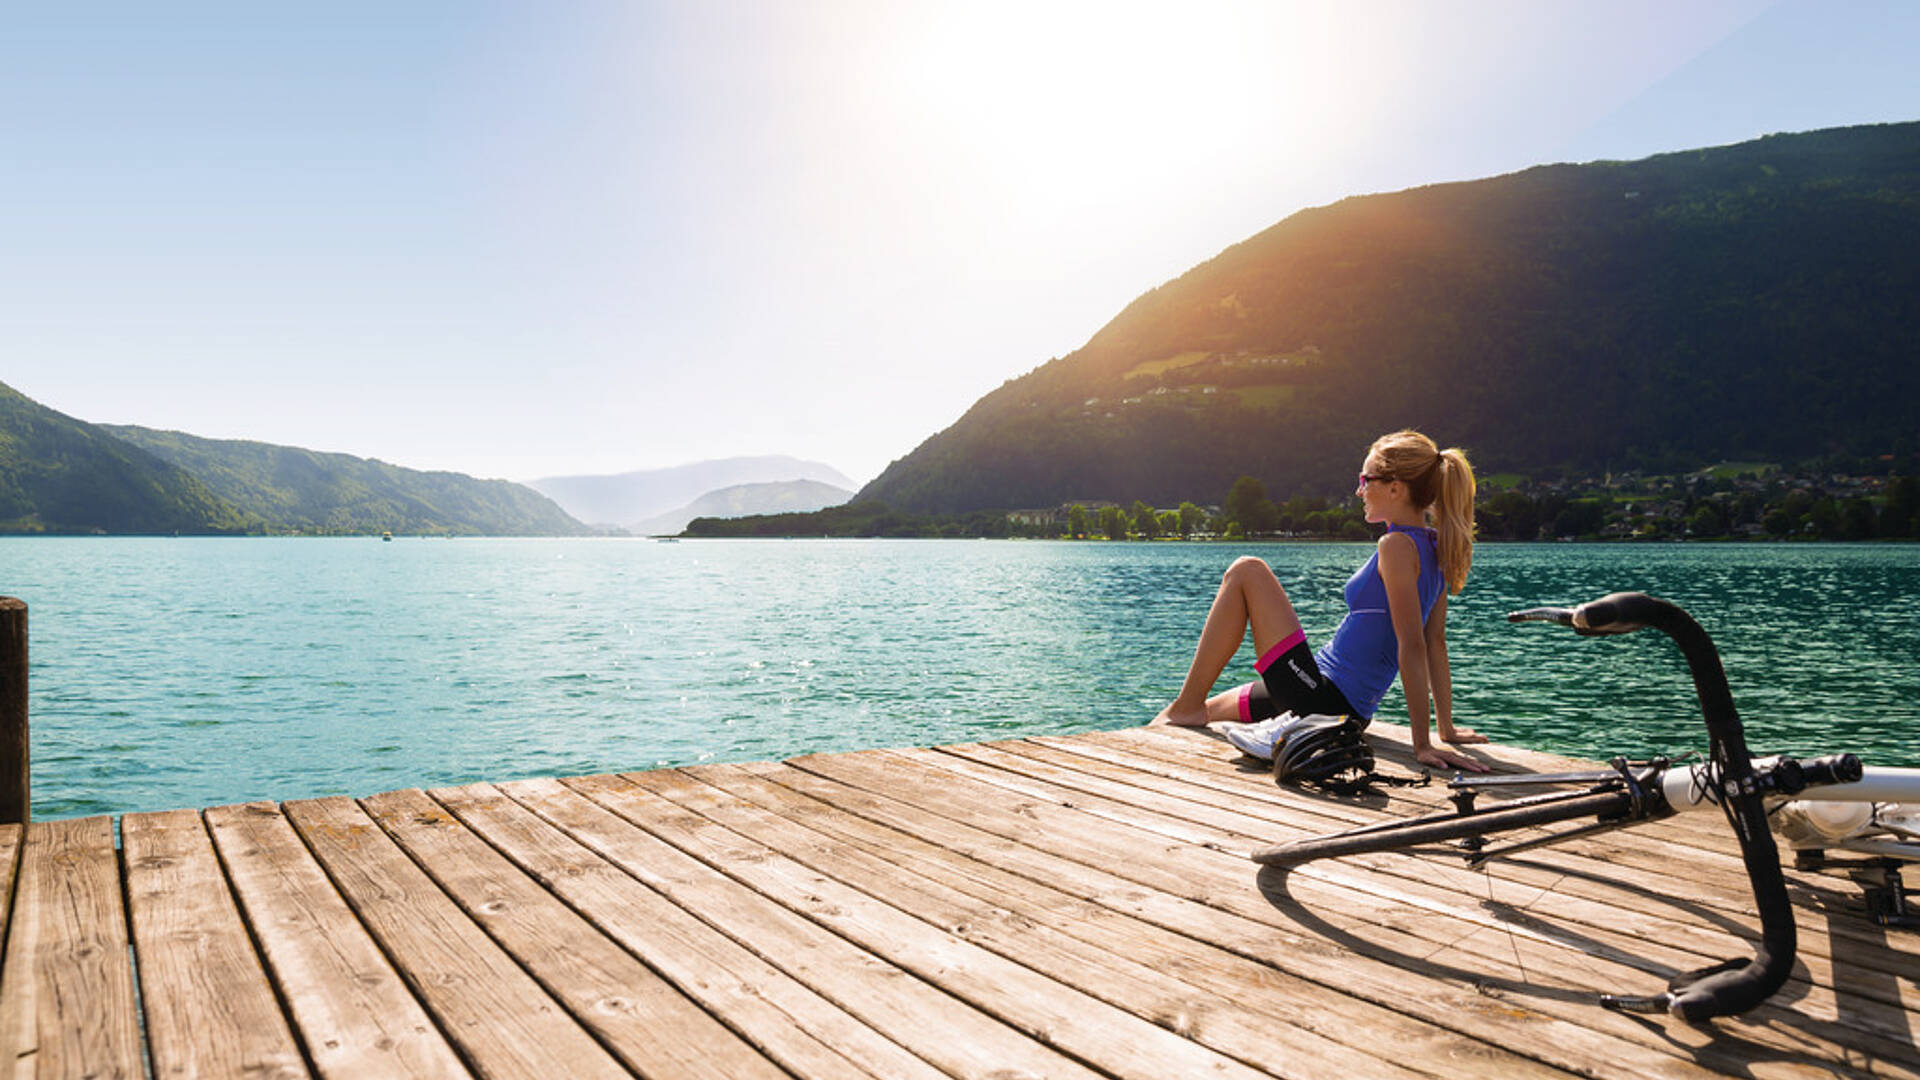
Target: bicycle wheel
{"points": [[1414, 832]]}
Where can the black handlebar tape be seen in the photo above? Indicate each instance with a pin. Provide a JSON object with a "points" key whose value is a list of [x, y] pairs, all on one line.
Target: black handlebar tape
{"points": [[1618, 613], [1734, 986]]}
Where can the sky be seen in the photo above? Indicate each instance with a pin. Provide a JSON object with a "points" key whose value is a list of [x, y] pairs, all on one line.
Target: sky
{"points": [[522, 240]]}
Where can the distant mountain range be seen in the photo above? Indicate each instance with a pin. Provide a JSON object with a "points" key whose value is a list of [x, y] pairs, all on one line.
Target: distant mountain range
{"points": [[59, 474], [746, 500], [633, 500], [1748, 302]]}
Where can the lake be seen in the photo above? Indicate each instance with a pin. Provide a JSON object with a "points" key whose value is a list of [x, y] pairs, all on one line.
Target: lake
{"points": [[187, 672]]}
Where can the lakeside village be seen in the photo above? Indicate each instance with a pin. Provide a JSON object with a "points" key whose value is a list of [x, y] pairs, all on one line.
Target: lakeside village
{"points": [[1736, 501], [1727, 502]]}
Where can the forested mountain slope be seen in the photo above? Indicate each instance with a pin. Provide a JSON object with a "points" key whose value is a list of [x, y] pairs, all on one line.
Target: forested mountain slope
{"points": [[1753, 301], [62, 475], [296, 490]]}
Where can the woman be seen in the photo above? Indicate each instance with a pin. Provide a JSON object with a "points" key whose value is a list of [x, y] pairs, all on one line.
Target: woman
{"points": [[1396, 619]]}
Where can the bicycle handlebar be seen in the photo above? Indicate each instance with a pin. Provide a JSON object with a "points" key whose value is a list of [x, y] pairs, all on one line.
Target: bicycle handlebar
{"points": [[1820, 772], [1733, 986], [1617, 613]]}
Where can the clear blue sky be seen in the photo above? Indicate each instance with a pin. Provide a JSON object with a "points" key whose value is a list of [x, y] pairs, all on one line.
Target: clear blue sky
{"points": [[530, 239]]}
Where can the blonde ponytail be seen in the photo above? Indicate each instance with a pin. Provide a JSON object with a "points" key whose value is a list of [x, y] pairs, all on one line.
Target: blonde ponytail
{"points": [[1440, 483], [1453, 518]]}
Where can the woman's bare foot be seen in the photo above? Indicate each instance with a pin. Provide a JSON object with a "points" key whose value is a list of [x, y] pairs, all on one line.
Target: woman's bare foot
{"points": [[1447, 759], [1178, 715]]}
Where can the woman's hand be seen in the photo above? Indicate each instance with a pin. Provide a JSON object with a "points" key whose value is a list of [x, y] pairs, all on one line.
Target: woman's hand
{"points": [[1446, 759], [1460, 736]]}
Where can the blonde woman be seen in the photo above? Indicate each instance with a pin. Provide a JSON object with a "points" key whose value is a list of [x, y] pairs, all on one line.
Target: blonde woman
{"points": [[1396, 622]]}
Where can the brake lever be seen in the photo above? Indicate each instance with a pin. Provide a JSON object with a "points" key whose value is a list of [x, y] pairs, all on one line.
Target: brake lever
{"points": [[1563, 616], [1581, 618]]}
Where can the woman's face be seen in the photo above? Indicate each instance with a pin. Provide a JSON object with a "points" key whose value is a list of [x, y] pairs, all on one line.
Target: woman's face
{"points": [[1377, 492]]}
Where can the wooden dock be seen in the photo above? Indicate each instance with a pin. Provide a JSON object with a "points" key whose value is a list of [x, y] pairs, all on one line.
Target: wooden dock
{"points": [[1069, 907]]}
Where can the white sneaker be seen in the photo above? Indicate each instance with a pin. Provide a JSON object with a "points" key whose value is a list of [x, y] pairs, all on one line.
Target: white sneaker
{"points": [[1258, 738]]}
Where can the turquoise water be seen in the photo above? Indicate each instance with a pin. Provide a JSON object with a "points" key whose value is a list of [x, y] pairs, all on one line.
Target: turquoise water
{"points": [[189, 672]]}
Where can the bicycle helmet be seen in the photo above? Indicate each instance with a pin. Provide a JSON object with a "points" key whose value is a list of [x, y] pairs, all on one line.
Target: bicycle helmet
{"points": [[1329, 751]]}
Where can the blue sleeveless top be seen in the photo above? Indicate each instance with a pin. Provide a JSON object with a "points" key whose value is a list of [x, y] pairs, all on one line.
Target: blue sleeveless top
{"points": [[1364, 655]]}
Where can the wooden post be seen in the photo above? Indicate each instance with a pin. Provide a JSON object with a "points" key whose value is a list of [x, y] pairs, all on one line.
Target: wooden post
{"points": [[16, 788]]}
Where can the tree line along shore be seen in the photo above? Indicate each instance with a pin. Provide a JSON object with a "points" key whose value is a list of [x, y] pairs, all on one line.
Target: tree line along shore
{"points": [[1830, 501]]}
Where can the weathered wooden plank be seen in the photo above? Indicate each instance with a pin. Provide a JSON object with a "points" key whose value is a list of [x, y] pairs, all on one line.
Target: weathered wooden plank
{"points": [[1187, 986], [806, 1033], [210, 1010], [66, 995], [503, 1022], [1116, 1042], [9, 863], [936, 1026], [349, 1007], [653, 1028], [1204, 948], [1538, 946], [1214, 890]]}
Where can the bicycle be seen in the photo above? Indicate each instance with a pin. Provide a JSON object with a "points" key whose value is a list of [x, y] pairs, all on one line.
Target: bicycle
{"points": [[1801, 796]]}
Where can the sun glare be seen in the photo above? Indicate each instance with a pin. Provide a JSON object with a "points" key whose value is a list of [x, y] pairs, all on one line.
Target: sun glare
{"points": [[1113, 107]]}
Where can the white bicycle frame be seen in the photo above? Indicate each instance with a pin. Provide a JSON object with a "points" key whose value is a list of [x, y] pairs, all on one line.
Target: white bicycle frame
{"points": [[1876, 815]]}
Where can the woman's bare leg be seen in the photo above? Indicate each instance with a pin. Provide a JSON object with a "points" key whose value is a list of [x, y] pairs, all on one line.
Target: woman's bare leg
{"points": [[1249, 596], [1225, 705]]}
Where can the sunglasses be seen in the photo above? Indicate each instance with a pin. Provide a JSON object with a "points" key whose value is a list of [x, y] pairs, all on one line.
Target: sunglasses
{"points": [[1368, 478]]}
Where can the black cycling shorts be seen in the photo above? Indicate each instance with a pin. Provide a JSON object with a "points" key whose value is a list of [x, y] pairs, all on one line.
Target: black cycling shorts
{"points": [[1290, 681]]}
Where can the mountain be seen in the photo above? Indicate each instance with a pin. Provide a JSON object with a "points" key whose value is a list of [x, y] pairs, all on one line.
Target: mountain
{"points": [[638, 496], [294, 490], [747, 500], [1747, 302], [62, 475]]}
